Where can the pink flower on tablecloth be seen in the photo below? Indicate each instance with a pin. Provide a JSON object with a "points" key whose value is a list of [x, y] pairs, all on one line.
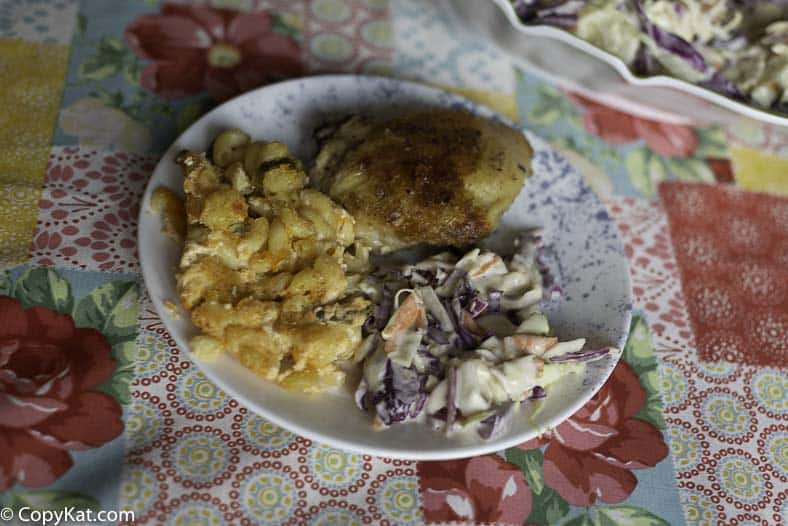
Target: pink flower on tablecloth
{"points": [[590, 456], [48, 403], [89, 207], [111, 232], [223, 51], [481, 489], [617, 127]]}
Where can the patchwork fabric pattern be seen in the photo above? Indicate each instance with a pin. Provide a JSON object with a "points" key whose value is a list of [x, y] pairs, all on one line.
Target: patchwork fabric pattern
{"points": [[92, 92], [88, 209], [732, 253], [713, 409], [220, 460], [30, 95]]}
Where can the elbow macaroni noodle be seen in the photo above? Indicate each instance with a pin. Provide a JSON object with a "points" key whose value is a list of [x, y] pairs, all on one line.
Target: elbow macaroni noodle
{"points": [[266, 273]]}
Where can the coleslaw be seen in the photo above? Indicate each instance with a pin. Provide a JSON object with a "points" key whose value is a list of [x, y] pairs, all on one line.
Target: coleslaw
{"points": [[738, 48], [460, 343]]}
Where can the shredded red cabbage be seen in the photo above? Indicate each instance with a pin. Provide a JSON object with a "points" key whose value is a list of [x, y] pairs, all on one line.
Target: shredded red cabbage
{"points": [[494, 300], [477, 306], [496, 423], [561, 13], [437, 335], [581, 356], [718, 82], [538, 392], [675, 44], [403, 394], [398, 392]]}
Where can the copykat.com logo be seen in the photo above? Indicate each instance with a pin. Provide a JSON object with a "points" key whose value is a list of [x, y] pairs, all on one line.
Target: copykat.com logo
{"points": [[70, 515]]}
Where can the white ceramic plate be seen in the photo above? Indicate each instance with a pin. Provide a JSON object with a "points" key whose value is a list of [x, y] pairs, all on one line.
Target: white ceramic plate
{"points": [[584, 250], [564, 59]]}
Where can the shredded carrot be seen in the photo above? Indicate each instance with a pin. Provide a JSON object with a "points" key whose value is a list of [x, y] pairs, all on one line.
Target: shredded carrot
{"points": [[411, 314]]}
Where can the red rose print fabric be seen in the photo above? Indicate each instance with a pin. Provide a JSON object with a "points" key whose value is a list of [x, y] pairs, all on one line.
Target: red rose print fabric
{"points": [[49, 371], [590, 456], [732, 251], [222, 51], [617, 127], [484, 489]]}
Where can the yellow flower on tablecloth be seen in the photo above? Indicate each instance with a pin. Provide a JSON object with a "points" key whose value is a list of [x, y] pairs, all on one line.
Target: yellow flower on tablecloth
{"points": [[335, 11], [29, 99], [292, 20], [138, 491], [740, 478], [96, 124], [698, 509], [760, 171], [503, 103], [398, 500], [268, 497], [334, 467]]}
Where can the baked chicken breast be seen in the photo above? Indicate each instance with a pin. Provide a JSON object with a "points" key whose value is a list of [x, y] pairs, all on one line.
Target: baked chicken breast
{"points": [[442, 177]]}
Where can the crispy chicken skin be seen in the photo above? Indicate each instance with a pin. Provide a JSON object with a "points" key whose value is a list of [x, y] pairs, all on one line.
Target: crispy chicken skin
{"points": [[442, 177]]}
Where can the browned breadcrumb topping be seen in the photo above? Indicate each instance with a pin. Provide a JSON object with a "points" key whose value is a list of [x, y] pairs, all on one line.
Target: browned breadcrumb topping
{"points": [[263, 258]]}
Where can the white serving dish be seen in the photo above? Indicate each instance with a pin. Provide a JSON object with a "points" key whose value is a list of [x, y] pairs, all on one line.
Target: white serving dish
{"points": [[561, 58]]}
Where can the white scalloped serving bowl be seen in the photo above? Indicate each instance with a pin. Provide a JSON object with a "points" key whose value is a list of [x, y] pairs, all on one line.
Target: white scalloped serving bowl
{"points": [[560, 57]]}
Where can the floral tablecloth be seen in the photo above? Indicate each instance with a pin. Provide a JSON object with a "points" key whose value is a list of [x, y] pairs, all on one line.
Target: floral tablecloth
{"points": [[100, 410]]}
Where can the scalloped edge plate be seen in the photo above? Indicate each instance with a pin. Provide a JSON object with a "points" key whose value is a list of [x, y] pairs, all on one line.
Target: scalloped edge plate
{"points": [[552, 53]]}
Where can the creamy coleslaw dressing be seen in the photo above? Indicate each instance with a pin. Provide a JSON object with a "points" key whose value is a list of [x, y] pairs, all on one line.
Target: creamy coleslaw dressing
{"points": [[463, 342]]}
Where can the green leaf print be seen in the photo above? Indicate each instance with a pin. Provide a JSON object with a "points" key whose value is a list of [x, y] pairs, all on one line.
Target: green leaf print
{"points": [[111, 308], [638, 352], [111, 58], [656, 170], [281, 26], [549, 107], [125, 352], [580, 520], [132, 70], [711, 143], [530, 462], [6, 285], [118, 385], [688, 169], [651, 411], [106, 62], [628, 516], [548, 507], [44, 287], [52, 499], [109, 98], [81, 26], [637, 168], [190, 113]]}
